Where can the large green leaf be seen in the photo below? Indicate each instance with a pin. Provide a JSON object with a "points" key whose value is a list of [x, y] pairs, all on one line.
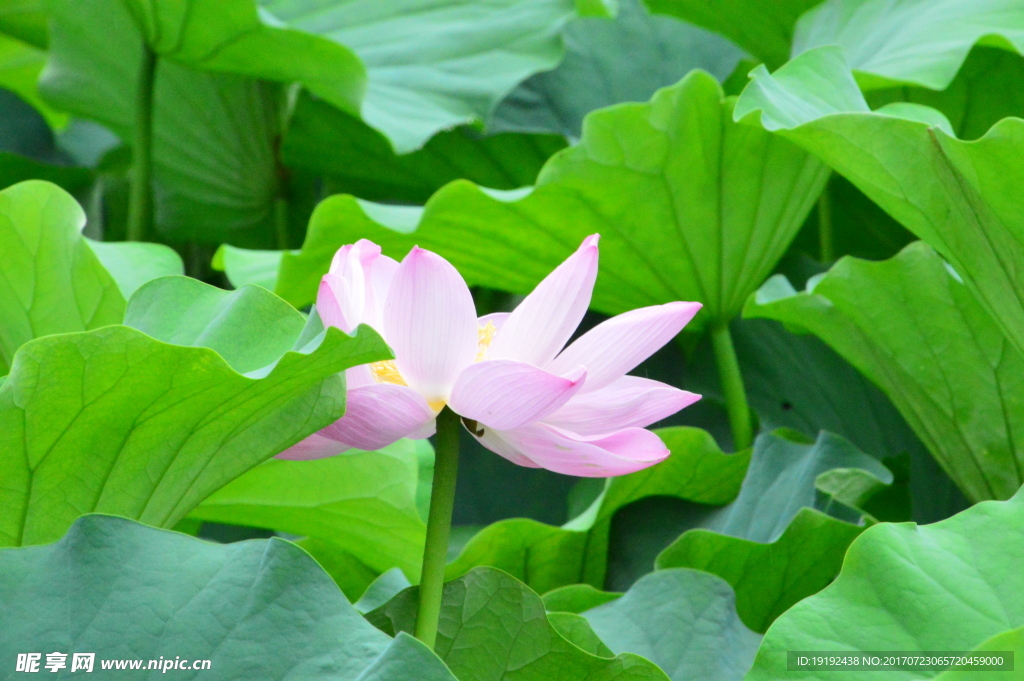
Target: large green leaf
{"points": [[255, 609], [912, 41], [50, 280], [133, 264], [358, 160], [762, 27], [115, 421], [690, 206], [951, 585], [913, 328], [214, 157], [768, 577], [492, 626], [434, 65], [608, 62], [361, 502], [233, 36], [184, 311], [958, 196], [682, 620], [547, 557]]}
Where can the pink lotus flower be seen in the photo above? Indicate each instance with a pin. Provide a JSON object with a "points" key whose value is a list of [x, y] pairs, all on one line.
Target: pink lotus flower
{"points": [[521, 395]]}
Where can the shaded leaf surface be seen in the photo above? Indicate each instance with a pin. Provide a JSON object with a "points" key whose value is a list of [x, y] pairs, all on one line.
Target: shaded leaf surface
{"points": [[612, 61], [547, 557], [920, 334], [213, 134], [355, 159], [762, 27], [958, 196], [796, 498], [259, 608], [494, 626], [434, 65], [679, 193], [682, 620]]}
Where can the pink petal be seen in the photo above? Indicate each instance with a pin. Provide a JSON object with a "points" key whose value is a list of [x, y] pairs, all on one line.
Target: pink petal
{"points": [[495, 318], [618, 345], [316, 446], [354, 290], [627, 451], [503, 394], [430, 323], [378, 415], [492, 440], [629, 402], [336, 305], [546, 319], [358, 377]]}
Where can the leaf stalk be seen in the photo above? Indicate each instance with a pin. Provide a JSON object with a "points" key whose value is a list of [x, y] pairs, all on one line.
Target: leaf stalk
{"points": [[140, 201], [732, 386]]}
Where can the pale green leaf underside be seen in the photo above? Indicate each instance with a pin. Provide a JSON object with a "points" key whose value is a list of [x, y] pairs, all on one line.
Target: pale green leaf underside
{"points": [[51, 282], [249, 328], [435, 64], [951, 585], [133, 264], [912, 328], [261, 609], [682, 620], [114, 421], [682, 197], [961, 197], [608, 62], [361, 502], [910, 41]]}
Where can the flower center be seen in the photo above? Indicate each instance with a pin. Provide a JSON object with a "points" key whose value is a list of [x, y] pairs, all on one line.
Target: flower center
{"points": [[387, 371]]}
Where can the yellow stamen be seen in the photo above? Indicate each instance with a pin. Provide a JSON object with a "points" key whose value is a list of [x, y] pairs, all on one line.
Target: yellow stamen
{"points": [[485, 335], [387, 372]]}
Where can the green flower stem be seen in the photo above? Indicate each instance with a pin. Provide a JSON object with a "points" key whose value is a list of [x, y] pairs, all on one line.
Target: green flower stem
{"points": [[732, 386], [825, 226], [140, 202], [439, 525]]}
